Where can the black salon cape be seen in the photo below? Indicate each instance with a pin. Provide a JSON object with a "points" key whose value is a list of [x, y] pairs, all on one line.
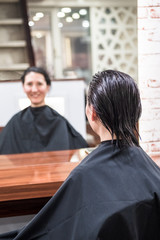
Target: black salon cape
{"points": [[39, 129], [113, 194]]}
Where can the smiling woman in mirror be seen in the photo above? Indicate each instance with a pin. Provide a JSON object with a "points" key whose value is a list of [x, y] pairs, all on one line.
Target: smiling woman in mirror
{"points": [[38, 127]]}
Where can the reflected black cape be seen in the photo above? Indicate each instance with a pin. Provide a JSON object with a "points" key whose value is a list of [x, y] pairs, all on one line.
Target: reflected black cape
{"points": [[39, 129], [113, 194]]}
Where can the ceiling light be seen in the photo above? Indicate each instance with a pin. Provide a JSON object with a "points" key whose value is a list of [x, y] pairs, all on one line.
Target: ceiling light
{"points": [[85, 24], [75, 16], [69, 19], [83, 11], [31, 23], [60, 14], [66, 10], [39, 14], [35, 18]]}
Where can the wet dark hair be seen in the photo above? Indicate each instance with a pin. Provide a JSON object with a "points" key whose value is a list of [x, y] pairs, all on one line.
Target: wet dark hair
{"points": [[116, 100], [37, 70]]}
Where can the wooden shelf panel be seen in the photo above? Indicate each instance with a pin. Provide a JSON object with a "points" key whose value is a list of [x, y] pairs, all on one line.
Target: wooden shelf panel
{"points": [[9, 1], [13, 44], [14, 67], [12, 21]]}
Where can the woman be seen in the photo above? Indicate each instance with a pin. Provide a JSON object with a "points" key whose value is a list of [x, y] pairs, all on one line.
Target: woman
{"points": [[114, 193], [38, 127]]}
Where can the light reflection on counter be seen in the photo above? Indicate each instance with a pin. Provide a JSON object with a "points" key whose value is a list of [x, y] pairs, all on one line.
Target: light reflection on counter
{"points": [[79, 155]]}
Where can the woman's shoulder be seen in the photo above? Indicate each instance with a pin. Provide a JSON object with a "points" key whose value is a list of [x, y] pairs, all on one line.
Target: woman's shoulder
{"points": [[17, 115], [20, 116]]}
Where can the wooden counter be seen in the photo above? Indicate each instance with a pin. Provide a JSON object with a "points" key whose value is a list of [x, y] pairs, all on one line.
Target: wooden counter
{"points": [[28, 181]]}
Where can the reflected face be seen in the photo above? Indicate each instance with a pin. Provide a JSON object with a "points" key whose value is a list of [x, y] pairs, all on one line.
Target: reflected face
{"points": [[36, 88]]}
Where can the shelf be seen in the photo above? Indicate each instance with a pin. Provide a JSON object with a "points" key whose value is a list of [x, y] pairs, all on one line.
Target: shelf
{"points": [[13, 44], [9, 1], [11, 21], [14, 67]]}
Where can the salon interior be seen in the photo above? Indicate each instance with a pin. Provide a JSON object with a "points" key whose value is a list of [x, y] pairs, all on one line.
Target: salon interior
{"points": [[72, 40]]}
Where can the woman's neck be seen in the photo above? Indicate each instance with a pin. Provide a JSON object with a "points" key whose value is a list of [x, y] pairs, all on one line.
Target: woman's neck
{"points": [[102, 132], [37, 105]]}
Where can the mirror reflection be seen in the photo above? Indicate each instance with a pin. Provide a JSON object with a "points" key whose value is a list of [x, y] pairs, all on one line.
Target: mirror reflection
{"points": [[38, 127], [68, 36], [71, 43], [84, 40]]}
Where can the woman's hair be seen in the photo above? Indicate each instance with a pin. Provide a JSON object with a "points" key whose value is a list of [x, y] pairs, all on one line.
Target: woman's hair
{"points": [[116, 100], [37, 70]]}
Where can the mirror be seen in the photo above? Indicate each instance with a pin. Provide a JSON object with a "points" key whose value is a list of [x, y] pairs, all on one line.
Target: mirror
{"points": [[67, 32], [70, 42], [84, 39]]}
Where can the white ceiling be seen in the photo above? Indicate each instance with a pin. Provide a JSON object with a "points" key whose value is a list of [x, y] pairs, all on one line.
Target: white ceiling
{"points": [[85, 3]]}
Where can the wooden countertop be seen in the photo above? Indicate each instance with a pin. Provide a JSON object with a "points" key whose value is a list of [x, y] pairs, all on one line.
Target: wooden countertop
{"points": [[32, 176], [28, 181]]}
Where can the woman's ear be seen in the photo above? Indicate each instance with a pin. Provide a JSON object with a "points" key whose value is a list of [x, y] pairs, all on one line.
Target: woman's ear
{"points": [[24, 89], [93, 114], [48, 88]]}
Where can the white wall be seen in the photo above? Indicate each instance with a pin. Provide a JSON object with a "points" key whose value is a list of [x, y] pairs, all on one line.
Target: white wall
{"points": [[71, 93]]}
